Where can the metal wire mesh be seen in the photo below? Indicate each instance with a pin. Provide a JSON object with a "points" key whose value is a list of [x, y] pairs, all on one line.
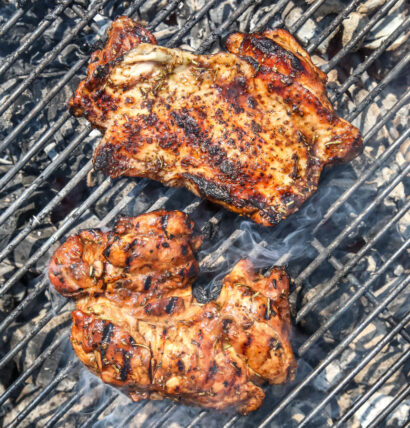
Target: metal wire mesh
{"points": [[327, 251]]}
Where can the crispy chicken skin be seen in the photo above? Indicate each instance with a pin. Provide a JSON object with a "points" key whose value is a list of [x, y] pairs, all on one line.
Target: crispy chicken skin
{"points": [[251, 129], [160, 342]]}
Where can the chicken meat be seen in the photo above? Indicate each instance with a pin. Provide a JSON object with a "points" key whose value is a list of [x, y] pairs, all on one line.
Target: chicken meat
{"points": [[250, 129], [158, 342]]}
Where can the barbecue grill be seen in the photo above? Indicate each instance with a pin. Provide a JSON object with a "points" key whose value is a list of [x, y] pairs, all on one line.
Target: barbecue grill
{"points": [[346, 249]]}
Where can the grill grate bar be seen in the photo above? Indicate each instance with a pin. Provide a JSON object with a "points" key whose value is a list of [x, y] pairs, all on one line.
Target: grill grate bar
{"points": [[62, 375], [322, 256], [362, 290], [12, 316], [53, 54], [62, 156], [398, 398], [375, 165], [81, 13], [305, 16], [163, 14], [389, 318], [63, 409], [133, 413], [347, 267], [70, 219], [33, 150], [355, 75], [386, 375], [245, 4], [19, 381], [136, 190], [40, 106], [393, 74], [94, 415], [278, 7], [36, 220], [395, 290], [191, 21], [41, 28], [10, 23], [352, 43], [333, 26], [164, 415], [39, 325], [197, 418], [380, 345]]}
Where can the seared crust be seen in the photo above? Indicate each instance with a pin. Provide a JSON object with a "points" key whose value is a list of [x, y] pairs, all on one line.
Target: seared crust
{"points": [[250, 130], [141, 330]]}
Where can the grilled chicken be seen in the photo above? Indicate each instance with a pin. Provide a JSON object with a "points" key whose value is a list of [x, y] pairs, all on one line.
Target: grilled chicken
{"points": [[250, 129], [159, 342], [153, 252]]}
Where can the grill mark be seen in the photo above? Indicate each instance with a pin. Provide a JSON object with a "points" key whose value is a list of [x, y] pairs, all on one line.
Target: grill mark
{"points": [[171, 305], [147, 283], [106, 339], [126, 365]]}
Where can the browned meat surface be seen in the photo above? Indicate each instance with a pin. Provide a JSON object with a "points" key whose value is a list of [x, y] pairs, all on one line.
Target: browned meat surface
{"points": [[251, 129], [160, 342], [153, 252]]}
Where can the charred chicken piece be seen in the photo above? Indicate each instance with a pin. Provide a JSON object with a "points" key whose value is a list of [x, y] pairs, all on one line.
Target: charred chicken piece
{"points": [[155, 342], [251, 129], [153, 252]]}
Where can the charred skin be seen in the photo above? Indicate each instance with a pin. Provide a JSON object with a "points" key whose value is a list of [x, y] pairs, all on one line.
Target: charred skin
{"points": [[156, 341], [153, 252], [250, 130]]}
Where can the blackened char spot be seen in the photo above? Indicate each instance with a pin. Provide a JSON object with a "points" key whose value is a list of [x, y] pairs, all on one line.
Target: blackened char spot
{"points": [[210, 189], [225, 325], [251, 61], [212, 371], [269, 47], [186, 122], [106, 338], [101, 71], [104, 157], [147, 283], [171, 305], [138, 31], [184, 250], [229, 168], [180, 366], [126, 365]]}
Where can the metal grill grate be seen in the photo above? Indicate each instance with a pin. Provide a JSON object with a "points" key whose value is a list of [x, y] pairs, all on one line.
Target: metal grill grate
{"points": [[369, 297]]}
